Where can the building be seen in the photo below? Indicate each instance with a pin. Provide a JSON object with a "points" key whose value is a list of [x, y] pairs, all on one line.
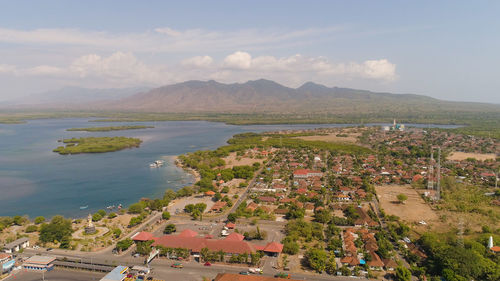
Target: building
{"points": [[16, 245], [305, 173], [6, 263], [119, 273], [39, 263], [233, 244], [142, 236]]}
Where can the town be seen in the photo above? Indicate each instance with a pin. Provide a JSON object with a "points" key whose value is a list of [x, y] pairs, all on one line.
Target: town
{"points": [[376, 202]]}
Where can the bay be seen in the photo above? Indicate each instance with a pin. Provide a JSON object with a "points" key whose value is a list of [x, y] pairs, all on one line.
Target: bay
{"points": [[35, 181]]}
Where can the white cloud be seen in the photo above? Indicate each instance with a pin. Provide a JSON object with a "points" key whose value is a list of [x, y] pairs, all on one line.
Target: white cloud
{"points": [[198, 61], [125, 69], [163, 39], [238, 60]]}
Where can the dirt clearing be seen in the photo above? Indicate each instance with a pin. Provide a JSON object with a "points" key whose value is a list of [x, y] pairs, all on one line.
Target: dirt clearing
{"points": [[335, 137], [234, 160], [413, 210], [459, 156]]}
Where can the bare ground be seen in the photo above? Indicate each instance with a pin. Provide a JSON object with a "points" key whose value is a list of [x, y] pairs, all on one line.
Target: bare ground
{"points": [[413, 210], [459, 156], [351, 138], [233, 160]]}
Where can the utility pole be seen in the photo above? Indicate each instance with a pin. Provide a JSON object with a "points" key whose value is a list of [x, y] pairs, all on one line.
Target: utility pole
{"points": [[430, 181], [438, 180]]}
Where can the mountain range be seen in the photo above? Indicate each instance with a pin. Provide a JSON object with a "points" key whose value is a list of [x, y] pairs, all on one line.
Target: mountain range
{"points": [[265, 96], [253, 97]]}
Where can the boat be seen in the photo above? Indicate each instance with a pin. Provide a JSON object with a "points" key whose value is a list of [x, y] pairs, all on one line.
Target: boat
{"points": [[84, 207], [157, 164], [110, 207]]}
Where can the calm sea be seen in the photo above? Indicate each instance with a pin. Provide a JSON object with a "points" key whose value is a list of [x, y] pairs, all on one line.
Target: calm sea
{"points": [[35, 181]]}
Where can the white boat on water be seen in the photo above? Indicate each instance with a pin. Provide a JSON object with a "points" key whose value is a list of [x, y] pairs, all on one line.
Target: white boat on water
{"points": [[157, 164]]}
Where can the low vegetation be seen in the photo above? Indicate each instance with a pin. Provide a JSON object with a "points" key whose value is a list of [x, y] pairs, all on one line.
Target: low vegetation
{"points": [[96, 145], [110, 128]]}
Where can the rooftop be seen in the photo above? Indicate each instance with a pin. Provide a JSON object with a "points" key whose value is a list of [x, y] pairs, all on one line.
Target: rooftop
{"points": [[40, 260]]}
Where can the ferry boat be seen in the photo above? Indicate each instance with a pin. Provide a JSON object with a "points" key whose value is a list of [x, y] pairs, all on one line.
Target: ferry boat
{"points": [[84, 207]]}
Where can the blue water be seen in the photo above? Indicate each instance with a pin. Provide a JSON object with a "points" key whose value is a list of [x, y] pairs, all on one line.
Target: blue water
{"points": [[35, 181]]}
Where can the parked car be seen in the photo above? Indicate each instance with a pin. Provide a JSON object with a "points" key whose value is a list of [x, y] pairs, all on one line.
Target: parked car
{"points": [[49, 249], [177, 265], [283, 275], [207, 264], [244, 273]]}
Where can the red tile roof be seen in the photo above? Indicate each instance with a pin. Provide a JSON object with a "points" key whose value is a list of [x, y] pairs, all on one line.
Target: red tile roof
{"points": [[234, 237], [143, 236], [188, 233], [273, 247]]}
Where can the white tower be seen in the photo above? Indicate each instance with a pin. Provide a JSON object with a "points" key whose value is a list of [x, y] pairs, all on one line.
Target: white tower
{"points": [[490, 242], [430, 181]]}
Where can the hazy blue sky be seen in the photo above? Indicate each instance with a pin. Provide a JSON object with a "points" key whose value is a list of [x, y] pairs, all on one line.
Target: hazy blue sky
{"points": [[445, 49]]}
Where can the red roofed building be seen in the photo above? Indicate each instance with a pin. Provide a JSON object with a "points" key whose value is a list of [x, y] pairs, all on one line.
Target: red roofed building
{"points": [[230, 225], [143, 236], [273, 248], [234, 237], [188, 233], [305, 173]]}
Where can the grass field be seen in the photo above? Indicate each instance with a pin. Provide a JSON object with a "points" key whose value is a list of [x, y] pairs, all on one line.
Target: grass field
{"points": [[414, 209], [459, 156]]}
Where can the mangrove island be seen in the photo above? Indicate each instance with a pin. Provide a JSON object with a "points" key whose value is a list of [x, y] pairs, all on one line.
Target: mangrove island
{"points": [[96, 145]]}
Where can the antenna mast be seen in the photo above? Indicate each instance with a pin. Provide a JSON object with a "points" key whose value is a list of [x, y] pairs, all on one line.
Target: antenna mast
{"points": [[430, 182], [438, 180]]}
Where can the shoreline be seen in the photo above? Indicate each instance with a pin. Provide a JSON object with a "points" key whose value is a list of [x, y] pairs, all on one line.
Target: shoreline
{"points": [[193, 172]]}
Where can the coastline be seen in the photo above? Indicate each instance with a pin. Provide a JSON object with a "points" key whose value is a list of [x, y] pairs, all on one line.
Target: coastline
{"points": [[193, 172]]}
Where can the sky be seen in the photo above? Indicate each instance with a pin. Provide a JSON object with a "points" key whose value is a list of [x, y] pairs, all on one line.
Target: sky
{"points": [[444, 49]]}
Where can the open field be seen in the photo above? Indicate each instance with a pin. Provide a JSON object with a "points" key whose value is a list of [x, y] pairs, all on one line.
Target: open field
{"points": [[350, 138], [413, 210], [459, 156], [233, 160]]}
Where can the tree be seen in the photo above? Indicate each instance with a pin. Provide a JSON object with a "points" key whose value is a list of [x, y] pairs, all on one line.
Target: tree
{"points": [[403, 274], [290, 247], [112, 215], [169, 195], [102, 213], [169, 228], [165, 215], [39, 220], [294, 212], [117, 232], [56, 230], [402, 198], [124, 244], [322, 216], [232, 217], [31, 228], [331, 265], [65, 243], [316, 259], [144, 247], [136, 208], [96, 217]]}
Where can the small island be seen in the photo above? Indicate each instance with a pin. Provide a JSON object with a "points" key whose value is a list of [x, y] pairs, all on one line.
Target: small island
{"points": [[110, 128], [96, 145]]}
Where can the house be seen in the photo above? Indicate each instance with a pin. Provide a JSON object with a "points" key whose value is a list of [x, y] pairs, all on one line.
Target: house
{"points": [[218, 206], [389, 264], [209, 193], [6, 262], [305, 173], [267, 199], [230, 225], [375, 263], [350, 261], [16, 245], [39, 263]]}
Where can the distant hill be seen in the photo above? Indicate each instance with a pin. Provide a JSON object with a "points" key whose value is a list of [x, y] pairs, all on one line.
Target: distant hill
{"points": [[265, 96], [70, 97]]}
